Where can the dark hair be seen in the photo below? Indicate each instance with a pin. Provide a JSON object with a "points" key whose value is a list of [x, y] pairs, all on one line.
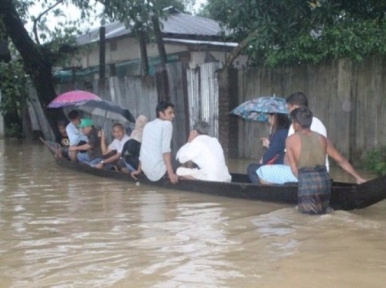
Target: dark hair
{"points": [[62, 123], [281, 121], [201, 127], [162, 106], [119, 125], [298, 98], [74, 114], [302, 116]]}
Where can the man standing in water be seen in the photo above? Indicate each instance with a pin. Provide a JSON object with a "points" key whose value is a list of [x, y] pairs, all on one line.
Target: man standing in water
{"points": [[297, 100], [155, 155], [306, 154]]}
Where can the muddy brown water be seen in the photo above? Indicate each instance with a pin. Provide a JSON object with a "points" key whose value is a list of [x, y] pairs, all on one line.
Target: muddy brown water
{"points": [[59, 228]]}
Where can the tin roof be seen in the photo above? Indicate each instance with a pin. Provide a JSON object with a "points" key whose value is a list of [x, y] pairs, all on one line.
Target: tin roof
{"points": [[177, 24]]}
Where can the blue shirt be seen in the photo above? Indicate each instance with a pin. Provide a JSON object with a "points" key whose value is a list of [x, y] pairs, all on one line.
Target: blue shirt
{"points": [[276, 147], [74, 135]]}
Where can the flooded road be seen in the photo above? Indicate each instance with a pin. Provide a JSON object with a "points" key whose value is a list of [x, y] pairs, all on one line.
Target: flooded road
{"points": [[63, 229]]}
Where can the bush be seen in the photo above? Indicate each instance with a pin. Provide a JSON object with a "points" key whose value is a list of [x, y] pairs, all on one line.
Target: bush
{"points": [[375, 160]]}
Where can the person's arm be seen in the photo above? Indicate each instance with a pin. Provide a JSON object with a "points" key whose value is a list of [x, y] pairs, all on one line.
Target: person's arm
{"points": [[80, 148], [276, 146], [169, 167], [342, 162], [109, 160], [104, 147], [182, 154], [135, 173], [167, 131], [290, 155]]}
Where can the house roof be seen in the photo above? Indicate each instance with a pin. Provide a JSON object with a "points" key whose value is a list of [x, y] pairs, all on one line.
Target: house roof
{"points": [[176, 25]]}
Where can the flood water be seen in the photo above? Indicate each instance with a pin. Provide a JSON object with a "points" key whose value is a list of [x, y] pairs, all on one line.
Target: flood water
{"points": [[63, 229]]}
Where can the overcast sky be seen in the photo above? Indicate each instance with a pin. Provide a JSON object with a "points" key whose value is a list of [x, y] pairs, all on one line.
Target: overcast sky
{"points": [[72, 13]]}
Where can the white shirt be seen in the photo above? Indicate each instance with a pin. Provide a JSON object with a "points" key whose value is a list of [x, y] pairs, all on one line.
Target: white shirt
{"points": [[316, 126], [118, 144], [207, 153], [156, 139], [74, 134]]}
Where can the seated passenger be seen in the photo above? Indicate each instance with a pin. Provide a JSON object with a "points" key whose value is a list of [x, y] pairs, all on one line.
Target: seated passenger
{"points": [[62, 138], [112, 153], [132, 148], [155, 155], [75, 136], [93, 147], [279, 124], [207, 153]]}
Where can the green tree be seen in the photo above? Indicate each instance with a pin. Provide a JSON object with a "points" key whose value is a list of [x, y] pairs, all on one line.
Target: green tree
{"points": [[47, 47], [297, 31], [37, 58]]}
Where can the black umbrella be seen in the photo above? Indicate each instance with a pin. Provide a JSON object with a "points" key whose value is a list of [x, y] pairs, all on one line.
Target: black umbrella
{"points": [[106, 109]]}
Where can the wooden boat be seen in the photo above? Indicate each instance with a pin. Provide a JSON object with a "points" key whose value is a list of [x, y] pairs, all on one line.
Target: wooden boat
{"points": [[344, 196]]}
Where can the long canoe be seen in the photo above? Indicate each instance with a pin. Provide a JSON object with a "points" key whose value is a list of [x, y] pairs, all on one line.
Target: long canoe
{"points": [[344, 196]]}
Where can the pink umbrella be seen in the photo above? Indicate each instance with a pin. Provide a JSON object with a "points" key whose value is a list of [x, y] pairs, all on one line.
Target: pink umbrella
{"points": [[72, 98]]}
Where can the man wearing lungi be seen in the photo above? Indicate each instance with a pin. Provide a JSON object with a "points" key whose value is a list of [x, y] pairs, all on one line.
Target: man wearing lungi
{"points": [[306, 154]]}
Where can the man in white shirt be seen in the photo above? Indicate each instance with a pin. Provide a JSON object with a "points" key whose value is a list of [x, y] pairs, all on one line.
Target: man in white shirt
{"points": [[155, 155], [207, 153], [75, 136], [115, 148]]}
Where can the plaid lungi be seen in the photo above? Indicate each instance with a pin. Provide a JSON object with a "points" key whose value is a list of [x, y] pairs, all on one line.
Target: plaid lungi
{"points": [[314, 190]]}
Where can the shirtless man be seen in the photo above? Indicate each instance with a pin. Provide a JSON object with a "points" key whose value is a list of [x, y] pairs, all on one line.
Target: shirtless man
{"points": [[155, 155], [297, 100], [306, 154]]}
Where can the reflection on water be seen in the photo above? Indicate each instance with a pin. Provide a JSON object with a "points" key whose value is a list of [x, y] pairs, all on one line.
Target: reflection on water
{"points": [[59, 228]]}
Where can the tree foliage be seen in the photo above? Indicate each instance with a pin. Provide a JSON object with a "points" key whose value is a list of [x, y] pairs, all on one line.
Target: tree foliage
{"points": [[46, 47], [137, 14], [303, 31]]}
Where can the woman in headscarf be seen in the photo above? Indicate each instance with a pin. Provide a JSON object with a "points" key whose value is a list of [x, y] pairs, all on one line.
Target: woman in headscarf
{"points": [[130, 151]]}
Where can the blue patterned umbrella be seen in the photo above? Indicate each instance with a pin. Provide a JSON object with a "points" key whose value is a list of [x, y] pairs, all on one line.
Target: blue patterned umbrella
{"points": [[257, 109]]}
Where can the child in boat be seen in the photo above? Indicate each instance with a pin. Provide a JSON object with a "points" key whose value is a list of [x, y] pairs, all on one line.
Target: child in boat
{"points": [[75, 136], [62, 138]]}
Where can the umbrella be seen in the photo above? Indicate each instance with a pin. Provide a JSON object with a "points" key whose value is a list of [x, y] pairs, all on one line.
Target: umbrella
{"points": [[257, 109], [71, 98], [106, 109]]}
